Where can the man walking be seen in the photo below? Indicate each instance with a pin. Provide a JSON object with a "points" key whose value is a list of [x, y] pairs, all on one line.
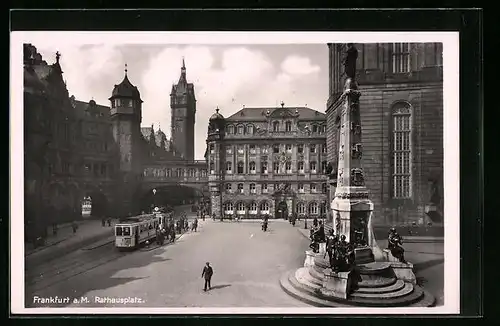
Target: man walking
{"points": [[207, 274]]}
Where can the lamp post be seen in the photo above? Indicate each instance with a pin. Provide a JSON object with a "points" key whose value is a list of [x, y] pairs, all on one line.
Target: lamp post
{"points": [[154, 198]]}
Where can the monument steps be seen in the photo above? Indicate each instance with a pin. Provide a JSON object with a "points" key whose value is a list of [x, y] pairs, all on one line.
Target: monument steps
{"points": [[303, 286]]}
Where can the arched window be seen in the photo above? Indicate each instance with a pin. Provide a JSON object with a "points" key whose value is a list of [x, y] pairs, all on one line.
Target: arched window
{"points": [[250, 129], [240, 207], [253, 208], [313, 187], [263, 167], [313, 208], [241, 130], [228, 208], [288, 126], [230, 129], [240, 167], [229, 167], [212, 168], [313, 166], [252, 167], [253, 189], [276, 126], [264, 207], [401, 150], [276, 167], [240, 188], [300, 166], [301, 208], [228, 187], [288, 167]]}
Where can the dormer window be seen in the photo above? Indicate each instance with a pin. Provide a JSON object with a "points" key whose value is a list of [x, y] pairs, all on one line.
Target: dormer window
{"points": [[288, 126], [276, 126], [230, 130], [250, 129], [241, 130]]}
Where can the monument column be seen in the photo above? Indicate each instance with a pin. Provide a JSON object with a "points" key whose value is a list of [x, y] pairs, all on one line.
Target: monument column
{"points": [[352, 209]]}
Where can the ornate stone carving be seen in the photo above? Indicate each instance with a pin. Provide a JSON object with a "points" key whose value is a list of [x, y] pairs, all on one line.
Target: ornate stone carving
{"points": [[356, 151], [357, 178], [341, 153], [353, 195]]}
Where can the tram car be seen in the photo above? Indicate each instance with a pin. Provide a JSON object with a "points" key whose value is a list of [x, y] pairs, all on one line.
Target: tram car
{"points": [[131, 232]]}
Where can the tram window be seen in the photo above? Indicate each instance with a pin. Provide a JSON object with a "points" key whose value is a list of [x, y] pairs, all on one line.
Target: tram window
{"points": [[126, 230], [118, 230]]}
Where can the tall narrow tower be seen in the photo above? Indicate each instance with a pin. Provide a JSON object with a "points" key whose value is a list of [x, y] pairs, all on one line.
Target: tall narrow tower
{"points": [[126, 116], [183, 112]]}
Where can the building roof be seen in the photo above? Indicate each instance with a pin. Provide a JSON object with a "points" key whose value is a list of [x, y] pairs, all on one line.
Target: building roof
{"points": [[126, 89], [95, 110], [262, 114]]}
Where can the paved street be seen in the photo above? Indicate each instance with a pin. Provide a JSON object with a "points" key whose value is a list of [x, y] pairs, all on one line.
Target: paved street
{"points": [[247, 266]]}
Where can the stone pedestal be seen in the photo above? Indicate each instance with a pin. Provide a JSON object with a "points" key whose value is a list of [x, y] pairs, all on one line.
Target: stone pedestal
{"points": [[336, 284], [363, 255], [309, 262], [403, 271]]}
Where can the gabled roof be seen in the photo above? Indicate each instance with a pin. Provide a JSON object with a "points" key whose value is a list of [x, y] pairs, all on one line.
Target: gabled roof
{"points": [[262, 113], [97, 110]]}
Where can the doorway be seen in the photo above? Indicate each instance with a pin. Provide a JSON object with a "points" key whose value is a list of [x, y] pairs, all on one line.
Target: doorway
{"points": [[281, 210]]}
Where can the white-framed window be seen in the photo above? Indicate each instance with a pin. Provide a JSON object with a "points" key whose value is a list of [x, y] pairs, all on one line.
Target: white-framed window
{"points": [[228, 208], [263, 167], [212, 168], [288, 167], [324, 166], [288, 148], [301, 208], [300, 148], [240, 208], [288, 126], [241, 150], [313, 166], [250, 129], [313, 187], [240, 188], [212, 149], [252, 167], [253, 149], [240, 167], [276, 167], [230, 129], [241, 130], [229, 188], [276, 148], [253, 189], [300, 167], [229, 167], [300, 187], [264, 207], [313, 208], [402, 150], [276, 126], [324, 188], [401, 57], [264, 188], [252, 209], [229, 149], [312, 148]]}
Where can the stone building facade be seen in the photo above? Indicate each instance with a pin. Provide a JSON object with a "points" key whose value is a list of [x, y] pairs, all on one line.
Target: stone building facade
{"points": [[268, 161], [75, 149], [401, 109]]}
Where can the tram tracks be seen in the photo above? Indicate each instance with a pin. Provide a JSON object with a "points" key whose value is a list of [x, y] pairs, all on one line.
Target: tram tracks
{"points": [[79, 262]]}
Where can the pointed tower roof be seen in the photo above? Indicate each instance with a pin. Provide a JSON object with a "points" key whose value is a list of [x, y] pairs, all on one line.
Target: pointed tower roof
{"points": [[126, 89], [182, 86]]}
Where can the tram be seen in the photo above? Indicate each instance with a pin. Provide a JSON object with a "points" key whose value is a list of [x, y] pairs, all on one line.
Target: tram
{"points": [[133, 231]]}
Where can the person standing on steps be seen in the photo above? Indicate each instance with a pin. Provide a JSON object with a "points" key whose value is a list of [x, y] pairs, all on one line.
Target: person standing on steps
{"points": [[207, 274]]}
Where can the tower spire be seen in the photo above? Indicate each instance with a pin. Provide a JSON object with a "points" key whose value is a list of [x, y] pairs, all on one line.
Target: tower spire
{"points": [[183, 64]]}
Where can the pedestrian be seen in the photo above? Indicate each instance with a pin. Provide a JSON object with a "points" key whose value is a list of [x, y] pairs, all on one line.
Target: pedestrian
{"points": [[207, 274], [109, 222], [103, 221], [195, 224], [74, 225]]}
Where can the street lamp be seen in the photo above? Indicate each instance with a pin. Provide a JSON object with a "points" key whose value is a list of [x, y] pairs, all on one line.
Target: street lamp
{"points": [[154, 196]]}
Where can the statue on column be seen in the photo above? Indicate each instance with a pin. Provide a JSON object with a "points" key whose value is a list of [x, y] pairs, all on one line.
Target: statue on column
{"points": [[350, 61]]}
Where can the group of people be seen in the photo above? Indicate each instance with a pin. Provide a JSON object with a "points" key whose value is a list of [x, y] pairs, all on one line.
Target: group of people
{"points": [[172, 228]]}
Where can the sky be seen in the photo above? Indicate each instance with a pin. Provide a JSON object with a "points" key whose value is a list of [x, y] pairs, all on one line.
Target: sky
{"points": [[224, 76]]}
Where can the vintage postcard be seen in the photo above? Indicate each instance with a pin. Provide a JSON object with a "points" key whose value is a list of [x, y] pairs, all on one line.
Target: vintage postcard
{"points": [[198, 173]]}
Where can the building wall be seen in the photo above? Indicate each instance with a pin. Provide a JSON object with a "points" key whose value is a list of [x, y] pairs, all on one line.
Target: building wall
{"points": [[421, 87]]}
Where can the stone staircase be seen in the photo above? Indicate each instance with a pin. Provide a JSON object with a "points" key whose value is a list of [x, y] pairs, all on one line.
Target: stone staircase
{"points": [[378, 287]]}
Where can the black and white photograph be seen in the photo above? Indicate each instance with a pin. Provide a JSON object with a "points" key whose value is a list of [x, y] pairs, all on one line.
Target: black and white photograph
{"points": [[199, 172]]}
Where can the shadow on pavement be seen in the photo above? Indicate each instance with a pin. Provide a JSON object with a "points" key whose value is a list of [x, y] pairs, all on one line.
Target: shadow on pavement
{"points": [[418, 267], [220, 286]]}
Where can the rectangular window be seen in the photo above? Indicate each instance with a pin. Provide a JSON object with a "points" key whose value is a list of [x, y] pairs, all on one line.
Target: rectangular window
{"points": [[313, 148], [265, 149], [313, 167], [252, 188], [264, 188], [276, 149], [300, 187], [241, 150], [276, 167], [288, 148], [313, 188], [252, 149], [229, 149], [240, 188], [400, 57], [323, 148], [288, 167], [264, 167], [300, 149], [402, 186]]}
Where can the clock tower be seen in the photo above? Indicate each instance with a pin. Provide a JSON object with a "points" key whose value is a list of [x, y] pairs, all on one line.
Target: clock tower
{"points": [[183, 112]]}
